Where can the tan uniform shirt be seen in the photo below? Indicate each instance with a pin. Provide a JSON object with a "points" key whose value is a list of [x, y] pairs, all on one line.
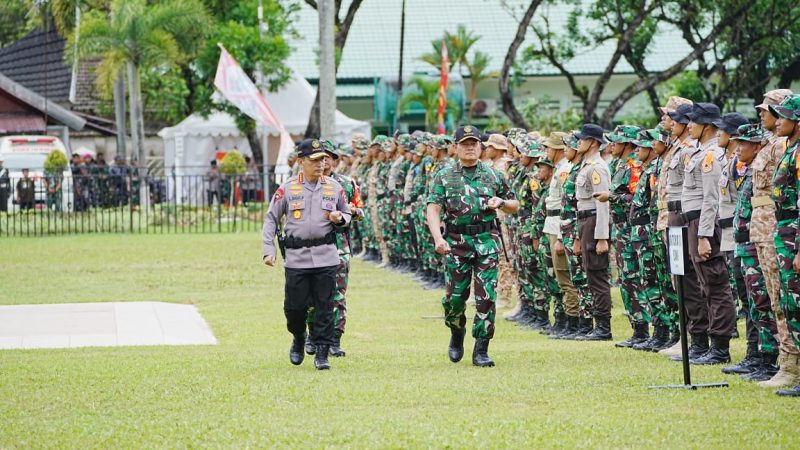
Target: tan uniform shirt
{"points": [[552, 224], [763, 224], [594, 177]]}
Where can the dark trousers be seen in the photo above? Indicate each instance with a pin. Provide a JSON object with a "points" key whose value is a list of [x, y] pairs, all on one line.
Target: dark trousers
{"points": [[596, 267], [4, 194], [714, 283], [693, 300], [310, 288]]}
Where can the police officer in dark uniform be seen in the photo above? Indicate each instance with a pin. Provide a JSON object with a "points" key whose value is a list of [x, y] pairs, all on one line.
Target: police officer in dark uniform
{"points": [[314, 206]]}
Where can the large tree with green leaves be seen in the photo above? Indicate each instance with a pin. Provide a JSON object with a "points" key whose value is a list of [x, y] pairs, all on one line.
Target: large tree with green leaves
{"points": [[135, 36]]}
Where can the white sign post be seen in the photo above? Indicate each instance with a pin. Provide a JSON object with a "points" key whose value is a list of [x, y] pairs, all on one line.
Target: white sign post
{"points": [[676, 251]]}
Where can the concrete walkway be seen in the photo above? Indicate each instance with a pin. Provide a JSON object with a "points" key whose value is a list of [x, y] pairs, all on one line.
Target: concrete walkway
{"points": [[74, 325]]}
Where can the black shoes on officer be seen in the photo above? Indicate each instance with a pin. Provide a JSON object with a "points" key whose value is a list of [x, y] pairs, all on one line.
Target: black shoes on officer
{"points": [[718, 353], [456, 349], [336, 349], [751, 361], [480, 357], [765, 369], [793, 392], [570, 327], [310, 347], [321, 358], [296, 354], [698, 348], [658, 341], [601, 331]]}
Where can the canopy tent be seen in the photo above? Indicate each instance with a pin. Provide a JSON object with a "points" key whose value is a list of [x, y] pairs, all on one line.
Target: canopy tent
{"points": [[193, 143]]}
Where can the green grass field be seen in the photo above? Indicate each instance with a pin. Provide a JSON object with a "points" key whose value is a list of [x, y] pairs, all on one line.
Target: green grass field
{"points": [[395, 388]]}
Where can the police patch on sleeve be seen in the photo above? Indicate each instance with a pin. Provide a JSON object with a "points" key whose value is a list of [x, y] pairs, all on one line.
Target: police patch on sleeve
{"points": [[595, 177], [708, 162]]}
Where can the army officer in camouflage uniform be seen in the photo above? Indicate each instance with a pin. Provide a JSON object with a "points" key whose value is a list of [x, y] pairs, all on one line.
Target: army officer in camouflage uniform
{"points": [[314, 206], [469, 193]]}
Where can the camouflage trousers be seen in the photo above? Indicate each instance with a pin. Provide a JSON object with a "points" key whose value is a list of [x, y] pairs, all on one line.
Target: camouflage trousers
{"points": [[761, 313], [460, 272], [386, 224], [628, 272], [550, 288], [579, 278], [650, 287], [786, 249], [665, 280], [768, 261], [54, 201], [367, 230], [526, 272]]}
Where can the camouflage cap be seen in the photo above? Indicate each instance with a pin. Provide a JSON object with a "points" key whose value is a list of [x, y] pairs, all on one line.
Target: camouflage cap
{"points": [[545, 162], [751, 133], [415, 149], [555, 140], [330, 148], [774, 97], [379, 140], [788, 109], [345, 150], [361, 143], [387, 145], [426, 138], [447, 138], [440, 142], [403, 139], [656, 135], [673, 103], [623, 134]]}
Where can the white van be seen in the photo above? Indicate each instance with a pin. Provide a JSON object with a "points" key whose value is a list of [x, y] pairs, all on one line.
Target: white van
{"points": [[30, 152]]}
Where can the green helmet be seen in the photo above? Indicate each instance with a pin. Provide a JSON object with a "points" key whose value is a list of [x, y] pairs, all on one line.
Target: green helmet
{"points": [[788, 109], [750, 133], [623, 133]]}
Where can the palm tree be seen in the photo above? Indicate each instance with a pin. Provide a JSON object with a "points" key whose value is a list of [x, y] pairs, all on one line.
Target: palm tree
{"points": [[477, 74], [426, 94], [137, 36]]}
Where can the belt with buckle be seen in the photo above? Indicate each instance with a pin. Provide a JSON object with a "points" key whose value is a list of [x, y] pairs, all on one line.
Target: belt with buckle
{"points": [[585, 214]]}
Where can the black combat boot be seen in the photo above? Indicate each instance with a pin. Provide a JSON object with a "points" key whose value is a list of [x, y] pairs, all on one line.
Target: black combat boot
{"points": [[336, 349], [514, 317], [765, 370], [719, 352], [793, 392], [584, 328], [296, 354], [601, 332], [480, 357], [528, 315], [321, 358], [559, 323], [310, 347], [659, 339], [698, 348], [751, 361], [456, 349], [641, 333], [570, 327], [557, 318], [627, 343]]}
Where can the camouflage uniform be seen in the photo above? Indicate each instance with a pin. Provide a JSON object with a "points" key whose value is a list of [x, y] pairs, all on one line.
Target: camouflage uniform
{"points": [[54, 198], [462, 194], [569, 232]]}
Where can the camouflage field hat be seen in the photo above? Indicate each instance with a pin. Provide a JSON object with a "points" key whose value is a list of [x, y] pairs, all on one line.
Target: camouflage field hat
{"points": [[774, 97], [555, 140], [440, 142], [415, 149], [751, 133], [361, 143], [497, 141], [644, 140], [546, 162], [532, 149], [387, 145], [330, 148], [518, 137], [654, 135], [623, 134], [345, 150], [571, 140], [788, 109], [673, 103]]}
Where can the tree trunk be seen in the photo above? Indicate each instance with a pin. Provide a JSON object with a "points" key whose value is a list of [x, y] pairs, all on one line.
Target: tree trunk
{"points": [[312, 129], [505, 74], [137, 130], [327, 70], [255, 146]]}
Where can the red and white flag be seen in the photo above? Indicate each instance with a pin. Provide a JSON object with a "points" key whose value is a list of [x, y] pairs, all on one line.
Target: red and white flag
{"points": [[238, 89]]}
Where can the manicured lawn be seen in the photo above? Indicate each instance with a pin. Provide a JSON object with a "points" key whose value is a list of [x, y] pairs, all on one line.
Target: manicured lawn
{"points": [[394, 389]]}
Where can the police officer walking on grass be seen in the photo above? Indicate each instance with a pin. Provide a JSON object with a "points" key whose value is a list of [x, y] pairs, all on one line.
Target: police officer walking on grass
{"points": [[314, 207], [469, 194]]}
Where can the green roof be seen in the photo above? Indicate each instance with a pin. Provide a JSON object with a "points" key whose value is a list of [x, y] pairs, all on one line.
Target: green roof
{"points": [[373, 44]]}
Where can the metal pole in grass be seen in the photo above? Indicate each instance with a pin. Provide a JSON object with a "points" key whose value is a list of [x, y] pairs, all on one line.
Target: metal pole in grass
{"points": [[678, 257]]}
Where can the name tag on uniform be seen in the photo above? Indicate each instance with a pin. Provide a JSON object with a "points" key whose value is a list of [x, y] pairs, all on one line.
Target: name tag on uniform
{"points": [[328, 206]]}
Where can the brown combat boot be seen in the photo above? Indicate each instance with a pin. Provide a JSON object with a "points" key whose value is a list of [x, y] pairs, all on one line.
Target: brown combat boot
{"points": [[788, 375]]}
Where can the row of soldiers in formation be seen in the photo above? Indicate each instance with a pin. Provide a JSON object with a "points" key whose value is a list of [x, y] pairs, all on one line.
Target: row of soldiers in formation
{"points": [[733, 184]]}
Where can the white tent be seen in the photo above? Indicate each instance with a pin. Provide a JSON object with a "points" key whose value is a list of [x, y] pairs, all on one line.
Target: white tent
{"points": [[193, 143]]}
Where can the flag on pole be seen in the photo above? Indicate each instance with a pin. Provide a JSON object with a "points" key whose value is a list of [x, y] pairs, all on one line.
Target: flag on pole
{"points": [[237, 88], [440, 129]]}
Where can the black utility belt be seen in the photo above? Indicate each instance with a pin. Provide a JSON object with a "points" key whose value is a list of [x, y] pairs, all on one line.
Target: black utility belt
{"points": [[741, 236], [295, 243], [585, 214], [688, 216], [470, 229], [785, 214], [726, 223], [566, 215], [641, 220], [553, 212], [674, 206]]}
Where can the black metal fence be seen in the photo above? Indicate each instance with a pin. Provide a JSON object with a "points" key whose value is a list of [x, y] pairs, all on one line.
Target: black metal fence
{"points": [[99, 203]]}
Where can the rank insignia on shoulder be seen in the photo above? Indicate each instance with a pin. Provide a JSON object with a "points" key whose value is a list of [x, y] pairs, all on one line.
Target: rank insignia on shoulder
{"points": [[278, 194], [595, 177]]}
